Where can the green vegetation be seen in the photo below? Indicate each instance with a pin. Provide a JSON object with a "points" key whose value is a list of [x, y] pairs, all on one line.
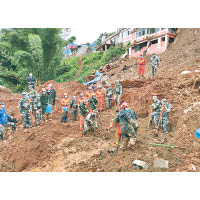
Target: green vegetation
{"points": [[90, 62], [36, 50]]}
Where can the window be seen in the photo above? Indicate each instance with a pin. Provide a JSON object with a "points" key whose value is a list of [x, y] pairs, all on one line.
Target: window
{"points": [[171, 40], [163, 39], [138, 47], [154, 42], [141, 32], [154, 30]]}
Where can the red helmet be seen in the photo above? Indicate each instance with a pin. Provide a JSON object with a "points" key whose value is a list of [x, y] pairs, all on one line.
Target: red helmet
{"points": [[124, 105]]}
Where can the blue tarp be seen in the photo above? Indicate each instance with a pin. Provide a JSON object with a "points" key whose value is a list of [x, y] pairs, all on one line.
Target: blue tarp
{"points": [[94, 81]]}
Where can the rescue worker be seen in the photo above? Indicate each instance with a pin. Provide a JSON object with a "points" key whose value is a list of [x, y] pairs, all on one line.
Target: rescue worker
{"points": [[81, 98], [74, 107], [118, 133], [25, 110], [44, 102], [89, 121], [31, 80], [53, 94], [127, 127], [32, 97], [117, 92], [141, 66], [89, 93], [65, 100], [109, 95], [65, 111], [4, 120], [50, 103], [155, 61], [93, 102], [100, 93], [134, 117], [166, 107], [156, 108], [83, 111], [37, 110]]}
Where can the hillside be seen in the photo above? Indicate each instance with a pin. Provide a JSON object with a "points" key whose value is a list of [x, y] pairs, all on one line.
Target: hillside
{"points": [[59, 147]]}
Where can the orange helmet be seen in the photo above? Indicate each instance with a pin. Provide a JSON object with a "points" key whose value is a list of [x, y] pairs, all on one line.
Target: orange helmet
{"points": [[124, 105]]}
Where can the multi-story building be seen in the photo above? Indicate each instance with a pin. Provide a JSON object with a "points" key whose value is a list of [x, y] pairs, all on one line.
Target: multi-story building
{"points": [[150, 40], [141, 40]]}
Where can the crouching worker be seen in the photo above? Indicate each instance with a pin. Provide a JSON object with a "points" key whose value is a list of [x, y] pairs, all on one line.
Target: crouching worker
{"points": [[118, 132], [127, 127], [65, 111], [90, 120]]}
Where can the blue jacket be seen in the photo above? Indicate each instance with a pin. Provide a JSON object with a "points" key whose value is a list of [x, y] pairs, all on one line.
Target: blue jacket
{"points": [[4, 116]]}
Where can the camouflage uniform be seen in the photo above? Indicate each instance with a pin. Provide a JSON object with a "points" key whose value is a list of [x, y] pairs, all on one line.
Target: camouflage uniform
{"points": [[25, 110], [134, 117], [33, 95], [93, 103], [165, 116], [127, 127], [74, 107], [44, 102], [109, 94], [155, 61], [37, 109], [89, 121], [156, 106], [118, 92]]}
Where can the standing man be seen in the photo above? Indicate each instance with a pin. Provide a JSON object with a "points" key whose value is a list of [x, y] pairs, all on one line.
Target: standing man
{"points": [[166, 107], [117, 92], [141, 66], [109, 95], [65, 111], [50, 103], [4, 117], [44, 102], [83, 111], [156, 108], [31, 80], [81, 98], [37, 110], [25, 110], [127, 127], [100, 96], [93, 102], [155, 61], [53, 94], [74, 107]]}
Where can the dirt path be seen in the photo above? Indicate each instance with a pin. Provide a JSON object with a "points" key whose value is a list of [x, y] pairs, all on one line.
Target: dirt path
{"points": [[79, 68]]}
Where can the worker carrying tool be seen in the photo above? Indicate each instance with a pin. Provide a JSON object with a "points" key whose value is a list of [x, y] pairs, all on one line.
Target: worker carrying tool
{"points": [[141, 66], [127, 127]]}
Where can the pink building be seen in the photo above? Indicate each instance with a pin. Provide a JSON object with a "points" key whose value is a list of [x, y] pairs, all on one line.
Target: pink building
{"points": [[149, 40]]}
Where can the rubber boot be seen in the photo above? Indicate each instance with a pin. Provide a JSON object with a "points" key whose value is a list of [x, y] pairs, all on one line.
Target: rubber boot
{"points": [[132, 142], [123, 146]]}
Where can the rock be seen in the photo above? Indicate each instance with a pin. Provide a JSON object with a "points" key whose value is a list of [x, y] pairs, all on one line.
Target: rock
{"points": [[192, 168], [185, 72], [101, 151], [160, 163], [140, 164], [112, 150]]}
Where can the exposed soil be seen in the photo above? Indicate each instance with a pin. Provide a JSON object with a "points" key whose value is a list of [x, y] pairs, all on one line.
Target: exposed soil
{"points": [[59, 147]]}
